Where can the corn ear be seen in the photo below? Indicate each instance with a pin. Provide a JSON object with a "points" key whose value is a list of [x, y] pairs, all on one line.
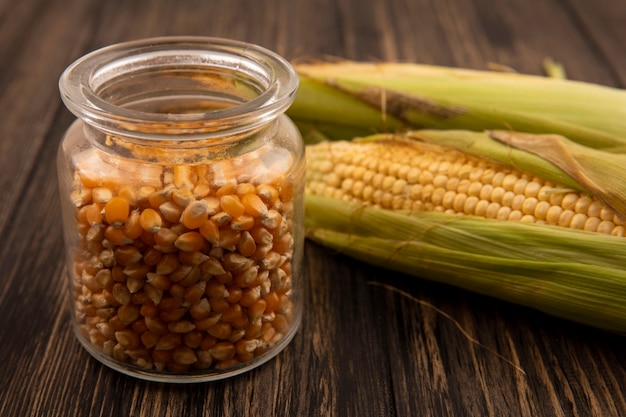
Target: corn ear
{"points": [[573, 137], [571, 274], [367, 98]]}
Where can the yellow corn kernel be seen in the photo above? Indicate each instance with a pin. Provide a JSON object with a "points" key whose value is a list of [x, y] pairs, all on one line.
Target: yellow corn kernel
{"points": [[101, 195], [569, 201], [127, 255], [281, 323], [184, 177], [121, 293], [170, 211], [137, 270], [128, 313], [156, 198], [210, 231], [165, 237], [272, 219], [284, 243], [104, 278], [242, 223], [209, 320], [201, 310], [261, 235], [226, 189], [221, 218], [150, 220], [93, 214], [190, 242], [181, 326], [253, 205], [132, 228], [184, 355], [144, 192], [232, 313], [183, 197], [130, 194], [149, 339], [245, 188], [249, 296], [192, 258], [220, 330], [246, 245], [212, 266], [214, 204], [89, 179], [95, 233], [167, 264], [232, 205], [229, 239], [194, 293], [107, 258], [169, 341], [285, 189], [201, 190], [127, 338], [116, 236], [195, 214], [431, 178]]}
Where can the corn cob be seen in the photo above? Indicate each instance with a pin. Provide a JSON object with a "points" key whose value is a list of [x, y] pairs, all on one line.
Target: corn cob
{"points": [[348, 99], [401, 174], [487, 224]]}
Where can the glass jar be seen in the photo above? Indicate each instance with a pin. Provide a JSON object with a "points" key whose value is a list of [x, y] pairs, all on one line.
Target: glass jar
{"points": [[182, 193]]}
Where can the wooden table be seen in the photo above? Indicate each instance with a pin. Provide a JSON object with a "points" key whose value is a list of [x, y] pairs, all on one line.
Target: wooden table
{"points": [[363, 350]]}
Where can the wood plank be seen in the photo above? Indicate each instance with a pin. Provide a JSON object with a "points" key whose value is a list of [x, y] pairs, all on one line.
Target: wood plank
{"points": [[28, 81], [602, 23], [363, 349], [476, 33]]}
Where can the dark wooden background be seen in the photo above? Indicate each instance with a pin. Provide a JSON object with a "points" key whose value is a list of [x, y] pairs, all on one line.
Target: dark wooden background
{"points": [[363, 350]]}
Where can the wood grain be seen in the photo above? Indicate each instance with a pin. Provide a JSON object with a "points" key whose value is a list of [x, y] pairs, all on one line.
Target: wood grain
{"points": [[372, 343]]}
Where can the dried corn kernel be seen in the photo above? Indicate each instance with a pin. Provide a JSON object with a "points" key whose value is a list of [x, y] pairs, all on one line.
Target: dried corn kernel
{"points": [[183, 197], [232, 205], [116, 211], [253, 205], [195, 214], [150, 220], [190, 242], [93, 214]]}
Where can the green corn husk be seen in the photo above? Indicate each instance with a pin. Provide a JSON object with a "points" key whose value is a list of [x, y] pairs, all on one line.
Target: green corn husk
{"points": [[571, 274], [554, 69], [348, 99]]}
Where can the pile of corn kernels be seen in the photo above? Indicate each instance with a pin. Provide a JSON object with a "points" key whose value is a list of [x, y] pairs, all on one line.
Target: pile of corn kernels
{"points": [[181, 273]]}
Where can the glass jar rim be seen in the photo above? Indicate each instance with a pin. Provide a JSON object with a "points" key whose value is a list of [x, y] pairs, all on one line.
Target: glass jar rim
{"points": [[275, 77]]}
